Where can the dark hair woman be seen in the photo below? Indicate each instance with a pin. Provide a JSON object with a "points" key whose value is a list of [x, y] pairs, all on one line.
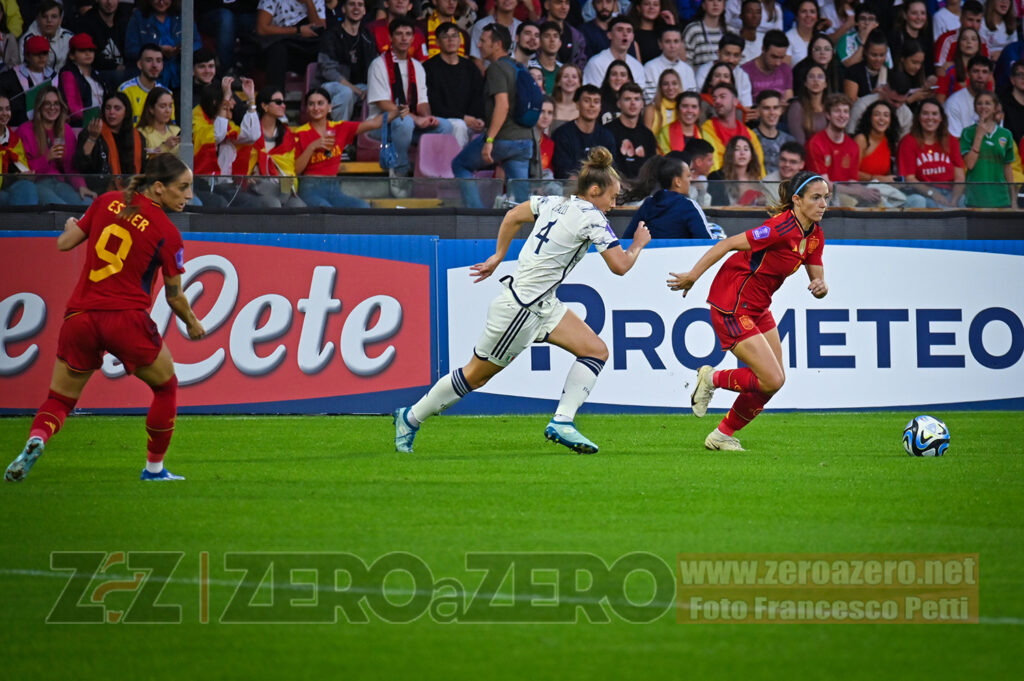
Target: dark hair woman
{"points": [[668, 213], [110, 147], [741, 297]]}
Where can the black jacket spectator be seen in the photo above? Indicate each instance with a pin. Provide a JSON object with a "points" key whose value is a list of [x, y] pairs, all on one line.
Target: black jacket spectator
{"points": [[109, 39], [346, 56], [633, 146], [572, 146], [596, 38], [454, 91], [1013, 115]]}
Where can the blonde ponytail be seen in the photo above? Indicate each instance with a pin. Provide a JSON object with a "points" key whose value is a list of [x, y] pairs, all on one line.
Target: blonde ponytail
{"points": [[597, 171]]}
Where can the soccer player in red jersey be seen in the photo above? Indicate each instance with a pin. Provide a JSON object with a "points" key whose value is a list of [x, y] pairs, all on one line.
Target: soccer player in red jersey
{"points": [[742, 293], [129, 239]]}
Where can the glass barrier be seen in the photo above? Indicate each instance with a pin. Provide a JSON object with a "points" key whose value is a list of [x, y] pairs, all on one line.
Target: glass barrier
{"points": [[253, 193], [894, 195]]}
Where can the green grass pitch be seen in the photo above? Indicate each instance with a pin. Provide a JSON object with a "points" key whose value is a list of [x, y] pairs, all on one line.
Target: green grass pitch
{"points": [[810, 482]]}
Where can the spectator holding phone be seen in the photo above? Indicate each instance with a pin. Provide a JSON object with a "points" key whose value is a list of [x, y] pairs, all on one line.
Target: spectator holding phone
{"points": [[161, 137], [289, 33]]}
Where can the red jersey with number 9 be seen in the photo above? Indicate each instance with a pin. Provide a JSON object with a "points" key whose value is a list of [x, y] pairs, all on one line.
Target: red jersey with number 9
{"points": [[123, 256], [746, 281]]}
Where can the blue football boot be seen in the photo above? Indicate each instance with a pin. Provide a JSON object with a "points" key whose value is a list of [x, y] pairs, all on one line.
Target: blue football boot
{"points": [[162, 475], [566, 434], [20, 467], [404, 432]]}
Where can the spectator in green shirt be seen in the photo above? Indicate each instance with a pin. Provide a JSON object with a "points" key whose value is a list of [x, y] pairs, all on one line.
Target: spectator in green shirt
{"points": [[987, 149]]}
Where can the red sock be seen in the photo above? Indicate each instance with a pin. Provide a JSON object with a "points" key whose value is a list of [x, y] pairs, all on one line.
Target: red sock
{"points": [[51, 415], [744, 409], [742, 380], [160, 419]]}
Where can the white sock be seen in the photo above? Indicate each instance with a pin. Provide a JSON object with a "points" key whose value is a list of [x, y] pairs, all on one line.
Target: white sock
{"points": [[446, 392], [154, 467], [578, 384]]}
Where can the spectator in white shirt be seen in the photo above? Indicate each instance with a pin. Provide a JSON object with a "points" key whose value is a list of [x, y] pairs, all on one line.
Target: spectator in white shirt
{"points": [[671, 57], [397, 84], [999, 27], [839, 15], [946, 19], [730, 51], [49, 17], [960, 105], [807, 20], [620, 33], [503, 10], [771, 15], [750, 19]]}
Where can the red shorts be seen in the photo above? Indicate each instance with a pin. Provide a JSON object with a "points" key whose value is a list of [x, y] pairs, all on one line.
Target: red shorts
{"points": [[731, 329], [129, 335]]}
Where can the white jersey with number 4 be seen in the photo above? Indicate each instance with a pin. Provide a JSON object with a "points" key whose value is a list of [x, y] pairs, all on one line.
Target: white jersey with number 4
{"points": [[564, 230]]}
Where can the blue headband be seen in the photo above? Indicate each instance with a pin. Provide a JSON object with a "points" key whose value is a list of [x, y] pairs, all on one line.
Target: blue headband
{"points": [[812, 178]]}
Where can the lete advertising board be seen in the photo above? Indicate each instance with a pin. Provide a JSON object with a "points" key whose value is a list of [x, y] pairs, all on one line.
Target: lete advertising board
{"points": [[295, 324], [903, 325]]}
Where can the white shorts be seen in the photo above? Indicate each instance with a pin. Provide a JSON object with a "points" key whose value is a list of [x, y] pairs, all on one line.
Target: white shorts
{"points": [[511, 328]]}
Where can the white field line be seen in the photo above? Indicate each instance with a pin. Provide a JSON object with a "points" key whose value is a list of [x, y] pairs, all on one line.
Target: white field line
{"points": [[409, 593]]}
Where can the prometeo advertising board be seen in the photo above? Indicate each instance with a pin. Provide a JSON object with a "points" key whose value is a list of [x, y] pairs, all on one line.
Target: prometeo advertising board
{"points": [[904, 324]]}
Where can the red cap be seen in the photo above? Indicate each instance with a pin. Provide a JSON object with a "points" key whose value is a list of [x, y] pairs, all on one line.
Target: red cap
{"points": [[82, 41], [37, 44]]}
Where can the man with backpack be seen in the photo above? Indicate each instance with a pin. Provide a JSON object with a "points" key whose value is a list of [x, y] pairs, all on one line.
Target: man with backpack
{"points": [[510, 103]]}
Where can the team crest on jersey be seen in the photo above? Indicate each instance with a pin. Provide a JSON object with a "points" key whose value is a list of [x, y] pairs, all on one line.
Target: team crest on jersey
{"points": [[812, 244], [747, 323], [762, 232]]}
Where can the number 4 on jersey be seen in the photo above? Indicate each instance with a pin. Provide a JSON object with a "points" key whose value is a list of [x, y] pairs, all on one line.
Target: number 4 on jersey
{"points": [[542, 235]]}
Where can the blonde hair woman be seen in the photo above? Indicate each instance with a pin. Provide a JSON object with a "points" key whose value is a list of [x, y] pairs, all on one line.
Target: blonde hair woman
{"points": [[662, 110], [527, 309]]}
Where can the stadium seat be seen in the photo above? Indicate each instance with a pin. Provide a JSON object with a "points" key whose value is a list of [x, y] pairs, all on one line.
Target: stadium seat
{"points": [[367, 148], [435, 155], [293, 91]]}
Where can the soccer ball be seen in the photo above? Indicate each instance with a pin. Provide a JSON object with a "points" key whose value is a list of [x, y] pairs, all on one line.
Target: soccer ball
{"points": [[926, 436]]}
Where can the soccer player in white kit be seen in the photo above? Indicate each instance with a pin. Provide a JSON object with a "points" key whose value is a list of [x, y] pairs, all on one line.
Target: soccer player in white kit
{"points": [[528, 311]]}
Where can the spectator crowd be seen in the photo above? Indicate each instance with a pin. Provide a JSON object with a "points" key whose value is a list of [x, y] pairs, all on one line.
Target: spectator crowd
{"points": [[916, 104]]}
